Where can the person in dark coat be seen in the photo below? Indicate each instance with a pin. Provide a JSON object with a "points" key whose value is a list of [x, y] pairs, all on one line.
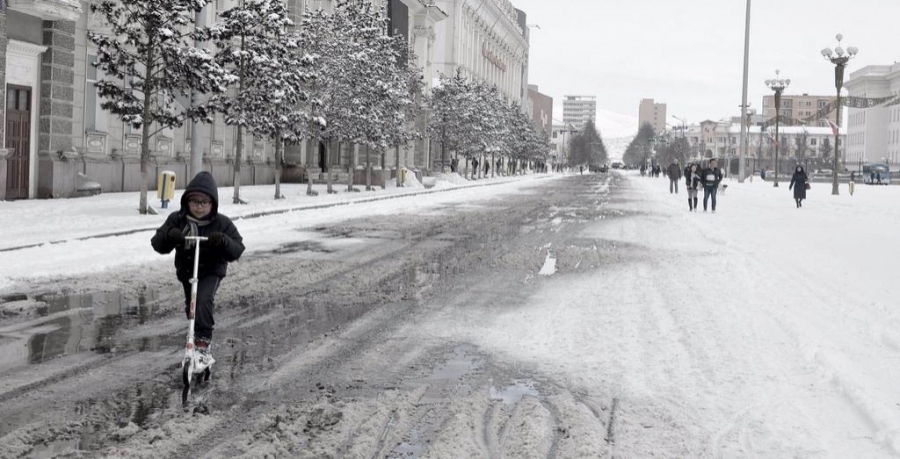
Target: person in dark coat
{"points": [[692, 180], [199, 216], [474, 168], [798, 184], [710, 178], [674, 173]]}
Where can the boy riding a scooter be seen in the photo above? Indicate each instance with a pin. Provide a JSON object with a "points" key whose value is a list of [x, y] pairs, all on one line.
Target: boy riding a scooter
{"points": [[199, 219]]}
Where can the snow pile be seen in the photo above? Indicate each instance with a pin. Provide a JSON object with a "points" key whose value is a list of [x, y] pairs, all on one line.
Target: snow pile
{"points": [[453, 178], [410, 180]]}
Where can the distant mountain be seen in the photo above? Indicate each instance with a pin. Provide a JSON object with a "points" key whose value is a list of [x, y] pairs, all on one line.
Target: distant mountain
{"points": [[617, 131], [613, 125]]}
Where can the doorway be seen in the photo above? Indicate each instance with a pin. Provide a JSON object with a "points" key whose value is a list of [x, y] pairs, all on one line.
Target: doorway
{"points": [[18, 140]]}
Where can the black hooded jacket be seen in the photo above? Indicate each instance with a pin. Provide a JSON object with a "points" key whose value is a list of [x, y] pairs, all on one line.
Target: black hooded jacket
{"points": [[213, 260]]}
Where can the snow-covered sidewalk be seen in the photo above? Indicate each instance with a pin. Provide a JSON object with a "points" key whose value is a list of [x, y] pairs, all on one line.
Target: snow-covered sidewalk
{"points": [[31, 222], [58, 235]]}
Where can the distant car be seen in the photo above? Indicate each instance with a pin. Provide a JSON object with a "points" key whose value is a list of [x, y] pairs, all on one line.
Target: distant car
{"points": [[616, 165]]}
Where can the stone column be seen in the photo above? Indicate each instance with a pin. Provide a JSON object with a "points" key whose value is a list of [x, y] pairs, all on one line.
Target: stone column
{"points": [[3, 41], [56, 168]]}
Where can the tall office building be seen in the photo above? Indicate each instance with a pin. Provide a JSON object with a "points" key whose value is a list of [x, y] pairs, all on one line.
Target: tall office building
{"points": [[653, 114], [579, 109]]}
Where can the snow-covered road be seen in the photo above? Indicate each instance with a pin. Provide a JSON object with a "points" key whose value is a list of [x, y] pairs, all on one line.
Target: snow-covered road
{"points": [[583, 317], [759, 331]]}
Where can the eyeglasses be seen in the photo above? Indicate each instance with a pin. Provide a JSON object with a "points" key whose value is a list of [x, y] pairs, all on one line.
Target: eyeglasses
{"points": [[197, 203]]}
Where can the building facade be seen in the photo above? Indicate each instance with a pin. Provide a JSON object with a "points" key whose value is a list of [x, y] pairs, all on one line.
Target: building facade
{"points": [[53, 128], [487, 41], [799, 107], [653, 114], [577, 110], [874, 133], [542, 110]]}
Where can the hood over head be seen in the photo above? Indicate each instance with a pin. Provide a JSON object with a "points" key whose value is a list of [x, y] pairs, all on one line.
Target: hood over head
{"points": [[206, 184]]}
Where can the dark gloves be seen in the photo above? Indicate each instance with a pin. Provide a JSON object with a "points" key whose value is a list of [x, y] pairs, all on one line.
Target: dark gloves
{"points": [[218, 239], [175, 236]]}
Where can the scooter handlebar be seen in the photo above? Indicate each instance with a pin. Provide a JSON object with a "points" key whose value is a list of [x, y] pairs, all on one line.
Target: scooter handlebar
{"points": [[197, 238]]}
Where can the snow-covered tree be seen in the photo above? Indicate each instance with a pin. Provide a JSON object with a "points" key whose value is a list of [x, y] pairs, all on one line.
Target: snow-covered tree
{"points": [[150, 60], [273, 71], [450, 102], [243, 38], [321, 37]]}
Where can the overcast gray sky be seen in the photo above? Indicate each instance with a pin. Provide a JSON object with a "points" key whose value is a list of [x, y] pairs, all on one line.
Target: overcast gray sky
{"points": [[689, 53]]}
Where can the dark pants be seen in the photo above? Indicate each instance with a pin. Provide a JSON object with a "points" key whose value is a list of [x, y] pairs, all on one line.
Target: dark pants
{"points": [[710, 191], [673, 185], [203, 314]]}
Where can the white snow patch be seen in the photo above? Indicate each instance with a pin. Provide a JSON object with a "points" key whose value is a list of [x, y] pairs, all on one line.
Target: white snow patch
{"points": [[549, 267]]}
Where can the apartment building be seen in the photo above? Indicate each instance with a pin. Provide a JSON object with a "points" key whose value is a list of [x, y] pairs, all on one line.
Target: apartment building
{"points": [[577, 110], [653, 114]]}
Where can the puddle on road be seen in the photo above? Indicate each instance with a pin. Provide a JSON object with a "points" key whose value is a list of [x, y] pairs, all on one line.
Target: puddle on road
{"points": [[70, 324], [510, 395]]}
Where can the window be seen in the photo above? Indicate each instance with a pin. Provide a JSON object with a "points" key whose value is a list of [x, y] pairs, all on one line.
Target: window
{"points": [[94, 117], [812, 142]]}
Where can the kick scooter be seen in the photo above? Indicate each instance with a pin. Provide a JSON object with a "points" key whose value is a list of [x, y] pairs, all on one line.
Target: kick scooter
{"points": [[191, 365]]}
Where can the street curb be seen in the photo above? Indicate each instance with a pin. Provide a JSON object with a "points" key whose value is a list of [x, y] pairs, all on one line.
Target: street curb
{"points": [[275, 212]]}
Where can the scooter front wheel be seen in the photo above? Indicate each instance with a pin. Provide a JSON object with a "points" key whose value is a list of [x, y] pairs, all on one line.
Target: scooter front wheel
{"points": [[186, 373]]}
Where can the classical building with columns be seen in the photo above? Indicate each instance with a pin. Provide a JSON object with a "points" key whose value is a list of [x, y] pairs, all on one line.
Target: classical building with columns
{"points": [[487, 40], [55, 135]]}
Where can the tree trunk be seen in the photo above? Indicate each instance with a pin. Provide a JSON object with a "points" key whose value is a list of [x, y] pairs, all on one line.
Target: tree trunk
{"points": [[309, 177], [352, 168], [493, 166], [368, 171], [279, 151], [328, 176], [397, 164], [466, 170], [238, 156], [383, 169], [145, 131]]}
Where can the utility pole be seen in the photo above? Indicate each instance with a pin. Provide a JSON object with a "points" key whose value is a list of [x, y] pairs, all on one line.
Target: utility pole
{"points": [[741, 166]]}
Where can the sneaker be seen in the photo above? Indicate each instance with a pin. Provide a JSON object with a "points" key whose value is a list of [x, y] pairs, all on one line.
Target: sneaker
{"points": [[204, 352]]}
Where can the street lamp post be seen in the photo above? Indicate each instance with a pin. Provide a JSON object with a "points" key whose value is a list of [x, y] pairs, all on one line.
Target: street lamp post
{"points": [[778, 85], [839, 58]]}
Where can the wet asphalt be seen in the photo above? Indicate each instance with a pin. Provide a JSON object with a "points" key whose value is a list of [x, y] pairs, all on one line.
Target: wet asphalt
{"points": [[307, 342]]}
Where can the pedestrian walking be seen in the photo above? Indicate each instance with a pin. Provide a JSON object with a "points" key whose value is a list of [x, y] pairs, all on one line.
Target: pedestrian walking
{"points": [[692, 180], [799, 183], [199, 216], [674, 173], [474, 168], [643, 170], [710, 177]]}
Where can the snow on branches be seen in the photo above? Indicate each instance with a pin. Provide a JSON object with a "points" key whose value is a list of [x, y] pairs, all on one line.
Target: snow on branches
{"points": [[273, 71], [473, 118], [150, 61]]}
